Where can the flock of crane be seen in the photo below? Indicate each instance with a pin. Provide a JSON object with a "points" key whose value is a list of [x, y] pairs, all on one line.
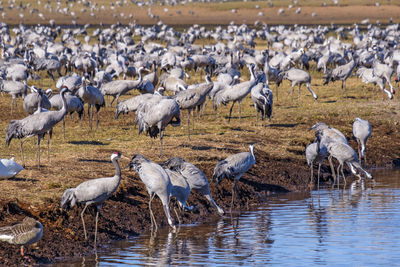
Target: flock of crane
{"points": [[93, 71]]}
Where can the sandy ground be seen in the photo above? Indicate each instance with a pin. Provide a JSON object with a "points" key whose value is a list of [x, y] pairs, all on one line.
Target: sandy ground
{"points": [[214, 14]]}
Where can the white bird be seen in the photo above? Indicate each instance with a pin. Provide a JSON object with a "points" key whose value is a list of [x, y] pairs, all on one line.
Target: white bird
{"points": [[157, 182], [361, 131], [9, 168], [234, 166], [27, 232], [95, 191]]}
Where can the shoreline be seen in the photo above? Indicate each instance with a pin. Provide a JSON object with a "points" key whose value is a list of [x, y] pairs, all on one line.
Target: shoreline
{"points": [[63, 234]]}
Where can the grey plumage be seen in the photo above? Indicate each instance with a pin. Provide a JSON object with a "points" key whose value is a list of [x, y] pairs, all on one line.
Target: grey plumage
{"points": [[157, 182], [341, 72], [27, 232], [15, 89], [263, 100], [73, 83], [93, 97], [180, 190], [361, 131], [132, 104], [233, 167], [315, 153], [153, 116], [192, 98], [48, 64], [195, 177], [174, 84], [383, 71], [31, 101], [345, 154], [36, 124], [367, 75], [74, 104], [298, 76], [237, 92], [121, 87], [95, 191], [326, 135]]}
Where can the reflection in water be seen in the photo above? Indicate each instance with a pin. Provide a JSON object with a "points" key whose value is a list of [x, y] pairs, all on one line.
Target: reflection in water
{"points": [[355, 226]]}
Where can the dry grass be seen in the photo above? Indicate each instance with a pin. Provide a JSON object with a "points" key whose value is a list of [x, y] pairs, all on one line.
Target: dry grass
{"points": [[349, 11], [84, 154]]}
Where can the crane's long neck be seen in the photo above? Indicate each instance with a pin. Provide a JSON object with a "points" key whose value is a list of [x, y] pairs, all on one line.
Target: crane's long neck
{"points": [[135, 83], [252, 152], [64, 103], [59, 114], [117, 168], [252, 77], [39, 106]]}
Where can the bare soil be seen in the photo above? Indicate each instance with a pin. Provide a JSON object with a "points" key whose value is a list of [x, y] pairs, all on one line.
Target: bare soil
{"points": [[222, 14]]}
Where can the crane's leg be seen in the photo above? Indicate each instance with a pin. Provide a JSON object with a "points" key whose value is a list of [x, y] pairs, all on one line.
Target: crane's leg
{"points": [[167, 213], [311, 175], [95, 228], [319, 170], [332, 170], [12, 105], [161, 138], [112, 101], [38, 152], [22, 251], [152, 218], [214, 109], [22, 153], [83, 221], [48, 145], [233, 194], [63, 127], [359, 151], [338, 176], [177, 215], [292, 88], [344, 177], [93, 115], [90, 118], [188, 124], [193, 120], [97, 119], [230, 111], [211, 200], [298, 95]]}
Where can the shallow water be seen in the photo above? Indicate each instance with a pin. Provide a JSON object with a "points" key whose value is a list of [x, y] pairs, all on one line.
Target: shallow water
{"points": [[357, 226]]}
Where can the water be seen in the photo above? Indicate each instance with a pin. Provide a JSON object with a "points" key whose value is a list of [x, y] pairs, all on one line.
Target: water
{"points": [[358, 226]]}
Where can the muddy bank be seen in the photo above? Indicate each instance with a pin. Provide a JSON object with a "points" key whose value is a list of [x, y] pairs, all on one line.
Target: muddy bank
{"points": [[126, 213]]}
